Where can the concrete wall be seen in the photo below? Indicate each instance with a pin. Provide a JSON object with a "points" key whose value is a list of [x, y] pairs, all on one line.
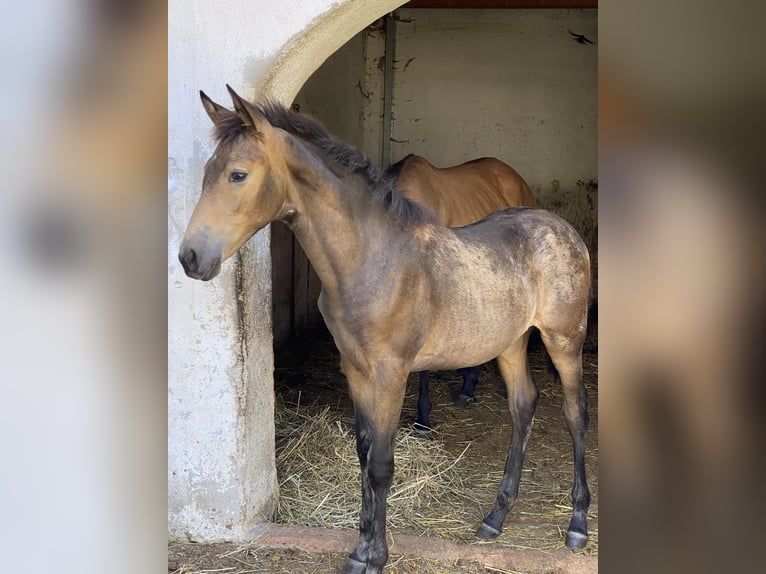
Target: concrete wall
{"points": [[208, 472], [221, 471]]}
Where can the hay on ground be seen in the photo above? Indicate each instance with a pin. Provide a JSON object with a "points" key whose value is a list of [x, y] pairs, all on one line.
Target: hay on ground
{"points": [[319, 477]]}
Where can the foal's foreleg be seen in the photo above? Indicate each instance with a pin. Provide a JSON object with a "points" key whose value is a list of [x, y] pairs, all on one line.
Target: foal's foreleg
{"points": [[522, 399], [378, 401]]}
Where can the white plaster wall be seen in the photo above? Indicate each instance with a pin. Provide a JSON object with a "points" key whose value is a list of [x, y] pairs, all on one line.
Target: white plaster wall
{"points": [[221, 472], [498, 82], [333, 93], [206, 472], [512, 84]]}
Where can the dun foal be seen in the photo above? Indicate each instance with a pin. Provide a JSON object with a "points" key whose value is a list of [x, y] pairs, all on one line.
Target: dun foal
{"points": [[397, 290]]}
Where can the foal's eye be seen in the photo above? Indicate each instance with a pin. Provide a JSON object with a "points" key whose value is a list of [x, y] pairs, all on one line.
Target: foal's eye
{"points": [[237, 176]]}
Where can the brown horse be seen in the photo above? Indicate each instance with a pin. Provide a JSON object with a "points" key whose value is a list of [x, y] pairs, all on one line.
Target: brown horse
{"points": [[395, 292], [458, 195], [464, 193]]}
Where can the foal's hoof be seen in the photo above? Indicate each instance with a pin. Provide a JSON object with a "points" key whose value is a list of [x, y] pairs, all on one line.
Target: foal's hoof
{"points": [[355, 567], [464, 401], [487, 532], [576, 540], [422, 431]]}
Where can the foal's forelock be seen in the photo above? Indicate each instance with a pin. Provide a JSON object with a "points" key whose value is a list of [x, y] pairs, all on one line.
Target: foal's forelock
{"points": [[230, 126]]}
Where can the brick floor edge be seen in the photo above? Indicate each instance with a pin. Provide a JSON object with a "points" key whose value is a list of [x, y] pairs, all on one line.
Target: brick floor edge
{"points": [[320, 540]]}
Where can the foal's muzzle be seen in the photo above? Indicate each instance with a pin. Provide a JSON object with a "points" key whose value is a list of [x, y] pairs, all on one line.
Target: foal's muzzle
{"points": [[198, 261]]}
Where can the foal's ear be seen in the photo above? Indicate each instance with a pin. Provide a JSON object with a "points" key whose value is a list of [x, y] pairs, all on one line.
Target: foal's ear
{"points": [[216, 111], [248, 113]]}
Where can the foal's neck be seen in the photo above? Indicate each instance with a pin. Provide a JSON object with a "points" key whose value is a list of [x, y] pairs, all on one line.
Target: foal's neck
{"points": [[341, 228]]}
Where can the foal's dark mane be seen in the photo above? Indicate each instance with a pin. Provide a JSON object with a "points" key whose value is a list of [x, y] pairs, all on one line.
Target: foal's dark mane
{"points": [[342, 155]]}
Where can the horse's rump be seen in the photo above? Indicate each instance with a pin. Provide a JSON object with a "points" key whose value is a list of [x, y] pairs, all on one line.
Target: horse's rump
{"points": [[500, 276]]}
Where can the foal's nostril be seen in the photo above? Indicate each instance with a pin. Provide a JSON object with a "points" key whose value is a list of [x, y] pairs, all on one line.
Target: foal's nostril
{"points": [[203, 265], [188, 260]]}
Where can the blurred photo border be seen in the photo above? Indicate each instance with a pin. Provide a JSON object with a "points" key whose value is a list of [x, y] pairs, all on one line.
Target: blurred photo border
{"points": [[83, 412]]}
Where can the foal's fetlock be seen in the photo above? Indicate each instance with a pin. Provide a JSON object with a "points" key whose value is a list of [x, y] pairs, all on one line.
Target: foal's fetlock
{"points": [[353, 566]]}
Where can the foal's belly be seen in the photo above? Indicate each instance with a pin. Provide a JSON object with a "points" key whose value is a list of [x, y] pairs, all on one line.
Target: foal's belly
{"points": [[448, 357], [469, 342]]}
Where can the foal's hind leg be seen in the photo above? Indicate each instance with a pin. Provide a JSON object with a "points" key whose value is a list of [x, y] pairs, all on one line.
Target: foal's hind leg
{"points": [[566, 354], [522, 399]]}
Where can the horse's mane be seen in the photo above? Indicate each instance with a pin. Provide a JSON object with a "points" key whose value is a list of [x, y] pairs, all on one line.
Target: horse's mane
{"points": [[342, 155], [395, 169]]}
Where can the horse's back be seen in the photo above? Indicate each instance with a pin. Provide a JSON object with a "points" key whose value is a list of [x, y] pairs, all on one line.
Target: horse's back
{"points": [[509, 183], [465, 193]]}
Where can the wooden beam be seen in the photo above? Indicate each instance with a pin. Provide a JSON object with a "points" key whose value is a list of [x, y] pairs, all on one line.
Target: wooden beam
{"points": [[501, 4], [388, 88]]}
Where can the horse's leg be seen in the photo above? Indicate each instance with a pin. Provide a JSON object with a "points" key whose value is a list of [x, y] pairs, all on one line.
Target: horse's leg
{"points": [[567, 358], [470, 378], [423, 424], [522, 399], [377, 404]]}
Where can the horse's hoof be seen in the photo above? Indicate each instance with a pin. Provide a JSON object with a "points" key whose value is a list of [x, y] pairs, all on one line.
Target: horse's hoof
{"points": [[422, 431], [464, 401], [576, 540], [355, 567], [487, 532]]}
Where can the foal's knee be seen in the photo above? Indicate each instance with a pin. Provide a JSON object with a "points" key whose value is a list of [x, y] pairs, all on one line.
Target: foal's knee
{"points": [[380, 466]]}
